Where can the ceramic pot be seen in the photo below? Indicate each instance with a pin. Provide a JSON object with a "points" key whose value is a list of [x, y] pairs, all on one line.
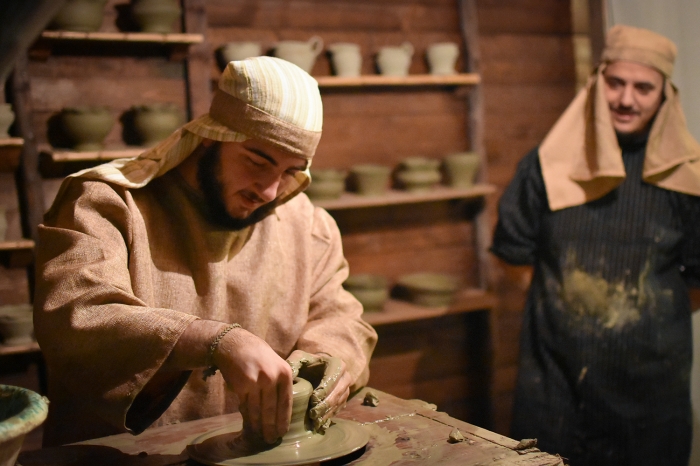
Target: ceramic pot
{"points": [[461, 168], [80, 15], [395, 60], [21, 411], [16, 324], [417, 174], [370, 179], [371, 291], [3, 223], [234, 51], [302, 54], [442, 58], [158, 16], [429, 289], [326, 184], [155, 122], [7, 117], [346, 59], [87, 126]]}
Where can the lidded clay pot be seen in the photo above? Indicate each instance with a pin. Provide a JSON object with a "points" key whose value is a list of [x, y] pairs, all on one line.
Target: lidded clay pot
{"points": [[87, 126], [80, 15], [418, 174]]}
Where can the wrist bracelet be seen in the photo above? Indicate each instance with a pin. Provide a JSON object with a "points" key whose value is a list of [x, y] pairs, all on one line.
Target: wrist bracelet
{"points": [[211, 369]]}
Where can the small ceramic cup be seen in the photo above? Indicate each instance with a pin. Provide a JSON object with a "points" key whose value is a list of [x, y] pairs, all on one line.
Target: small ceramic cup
{"points": [[442, 58], [346, 58], [460, 169], [370, 179]]}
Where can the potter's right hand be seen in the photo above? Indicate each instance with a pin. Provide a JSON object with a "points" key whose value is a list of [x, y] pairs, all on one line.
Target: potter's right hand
{"points": [[261, 379]]}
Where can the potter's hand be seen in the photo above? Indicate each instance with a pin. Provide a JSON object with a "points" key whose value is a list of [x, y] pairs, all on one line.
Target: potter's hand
{"points": [[331, 381], [262, 381]]}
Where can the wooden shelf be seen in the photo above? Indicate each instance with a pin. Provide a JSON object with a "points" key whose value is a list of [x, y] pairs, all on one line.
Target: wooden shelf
{"points": [[400, 311], [138, 37], [62, 156], [32, 347], [17, 253], [10, 150], [393, 197], [463, 79]]}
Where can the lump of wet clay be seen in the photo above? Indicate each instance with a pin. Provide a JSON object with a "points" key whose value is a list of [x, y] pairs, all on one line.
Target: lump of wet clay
{"points": [[526, 443], [455, 436], [370, 399]]}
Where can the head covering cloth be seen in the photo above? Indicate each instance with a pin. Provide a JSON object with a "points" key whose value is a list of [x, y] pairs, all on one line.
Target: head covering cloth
{"points": [[265, 98], [580, 157]]}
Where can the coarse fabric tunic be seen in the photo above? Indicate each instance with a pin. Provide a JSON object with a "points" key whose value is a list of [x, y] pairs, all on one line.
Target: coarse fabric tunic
{"points": [[606, 344], [122, 272]]}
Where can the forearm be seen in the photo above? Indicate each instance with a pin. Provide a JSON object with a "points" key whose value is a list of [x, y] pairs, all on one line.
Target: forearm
{"points": [[192, 348]]}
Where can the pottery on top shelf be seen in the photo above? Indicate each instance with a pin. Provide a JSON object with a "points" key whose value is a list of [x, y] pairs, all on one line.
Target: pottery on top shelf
{"points": [[86, 126], [346, 59], [370, 179], [418, 174], [303, 54], [326, 183], [460, 169], [442, 58], [155, 122], [370, 290], [395, 60], [427, 288], [158, 16], [80, 15]]}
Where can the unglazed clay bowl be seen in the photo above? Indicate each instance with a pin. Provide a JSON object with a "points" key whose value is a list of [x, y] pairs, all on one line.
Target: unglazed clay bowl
{"points": [[370, 179], [418, 180], [429, 289], [21, 411], [326, 183], [461, 168], [371, 291], [16, 324]]}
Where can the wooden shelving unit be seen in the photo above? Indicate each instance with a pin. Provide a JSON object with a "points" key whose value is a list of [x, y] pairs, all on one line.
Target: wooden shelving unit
{"points": [[62, 156], [395, 197], [18, 253], [396, 311], [137, 37], [462, 79], [10, 150], [6, 350]]}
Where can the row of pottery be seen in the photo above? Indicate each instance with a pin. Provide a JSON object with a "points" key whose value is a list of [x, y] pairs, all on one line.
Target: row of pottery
{"points": [[346, 57], [414, 174], [157, 16], [16, 324], [424, 289], [88, 126]]}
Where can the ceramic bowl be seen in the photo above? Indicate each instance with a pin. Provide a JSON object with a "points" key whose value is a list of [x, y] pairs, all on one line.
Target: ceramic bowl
{"points": [[419, 163], [418, 180], [429, 289], [21, 411], [87, 126], [370, 179], [326, 184], [461, 168], [371, 291]]}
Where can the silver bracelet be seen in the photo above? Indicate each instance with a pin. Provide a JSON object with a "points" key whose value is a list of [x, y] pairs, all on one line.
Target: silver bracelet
{"points": [[211, 370]]}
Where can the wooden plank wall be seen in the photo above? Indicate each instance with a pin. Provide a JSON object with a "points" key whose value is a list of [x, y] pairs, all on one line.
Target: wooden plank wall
{"points": [[528, 79]]}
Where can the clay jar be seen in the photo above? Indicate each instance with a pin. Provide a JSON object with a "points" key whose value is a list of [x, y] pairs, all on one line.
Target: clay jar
{"points": [[87, 126], [234, 51], [418, 174], [346, 59], [395, 60], [7, 117], [442, 58], [16, 324], [80, 15], [371, 291], [155, 122], [302, 54], [429, 289], [326, 183], [21, 411], [460, 169], [156, 15], [370, 179]]}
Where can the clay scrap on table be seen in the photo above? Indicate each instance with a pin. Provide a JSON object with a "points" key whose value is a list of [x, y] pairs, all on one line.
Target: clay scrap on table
{"points": [[371, 399], [455, 436], [526, 445]]}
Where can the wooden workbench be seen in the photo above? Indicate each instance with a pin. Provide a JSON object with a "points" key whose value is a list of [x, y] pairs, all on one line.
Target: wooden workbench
{"points": [[401, 432]]}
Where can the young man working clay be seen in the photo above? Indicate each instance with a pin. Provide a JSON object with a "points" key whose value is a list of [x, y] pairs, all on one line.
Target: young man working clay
{"points": [[607, 210], [200, 254]]}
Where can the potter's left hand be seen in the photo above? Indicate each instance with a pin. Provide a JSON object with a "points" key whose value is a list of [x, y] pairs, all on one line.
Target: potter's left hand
{"points": [[331, 381]]}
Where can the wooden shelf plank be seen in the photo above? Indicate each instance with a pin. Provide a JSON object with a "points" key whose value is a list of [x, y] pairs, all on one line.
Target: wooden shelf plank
{"points": [[463, 79], [349, 200], [18, 253], [32, 347], [396, 311], [19, 245], [102, 155], [10, 150], [124, 37]]}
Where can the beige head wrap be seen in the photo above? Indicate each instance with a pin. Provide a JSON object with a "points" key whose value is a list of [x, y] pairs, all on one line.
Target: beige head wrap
{"points": [[580, 157], [265, 98]]}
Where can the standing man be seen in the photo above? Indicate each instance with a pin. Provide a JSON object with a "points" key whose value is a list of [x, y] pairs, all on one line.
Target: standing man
{"points": [[607, 210], [172, 286]]}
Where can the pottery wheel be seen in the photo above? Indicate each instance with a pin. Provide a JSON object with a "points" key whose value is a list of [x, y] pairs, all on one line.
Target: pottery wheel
{"points": [[226, 446]]}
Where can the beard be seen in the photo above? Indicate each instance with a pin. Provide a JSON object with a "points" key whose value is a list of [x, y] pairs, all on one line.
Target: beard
{"points": [[207, 169]]}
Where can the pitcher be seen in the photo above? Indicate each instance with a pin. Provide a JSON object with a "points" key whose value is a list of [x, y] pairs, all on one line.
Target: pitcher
{"points": [[302, 54], [395, 60], [346, 58]]}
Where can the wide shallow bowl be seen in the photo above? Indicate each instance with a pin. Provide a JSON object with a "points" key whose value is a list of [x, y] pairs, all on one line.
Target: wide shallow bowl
{"points": [[371, 291], [21, 411], [428, 289]]}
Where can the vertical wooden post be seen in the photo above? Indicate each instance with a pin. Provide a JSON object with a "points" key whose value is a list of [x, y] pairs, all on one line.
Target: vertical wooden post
{"points": [[199, 60], [597, 15]]}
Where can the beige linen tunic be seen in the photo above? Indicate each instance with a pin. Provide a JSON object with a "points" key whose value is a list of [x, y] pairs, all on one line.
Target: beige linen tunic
{"points": [[121, 273]]}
